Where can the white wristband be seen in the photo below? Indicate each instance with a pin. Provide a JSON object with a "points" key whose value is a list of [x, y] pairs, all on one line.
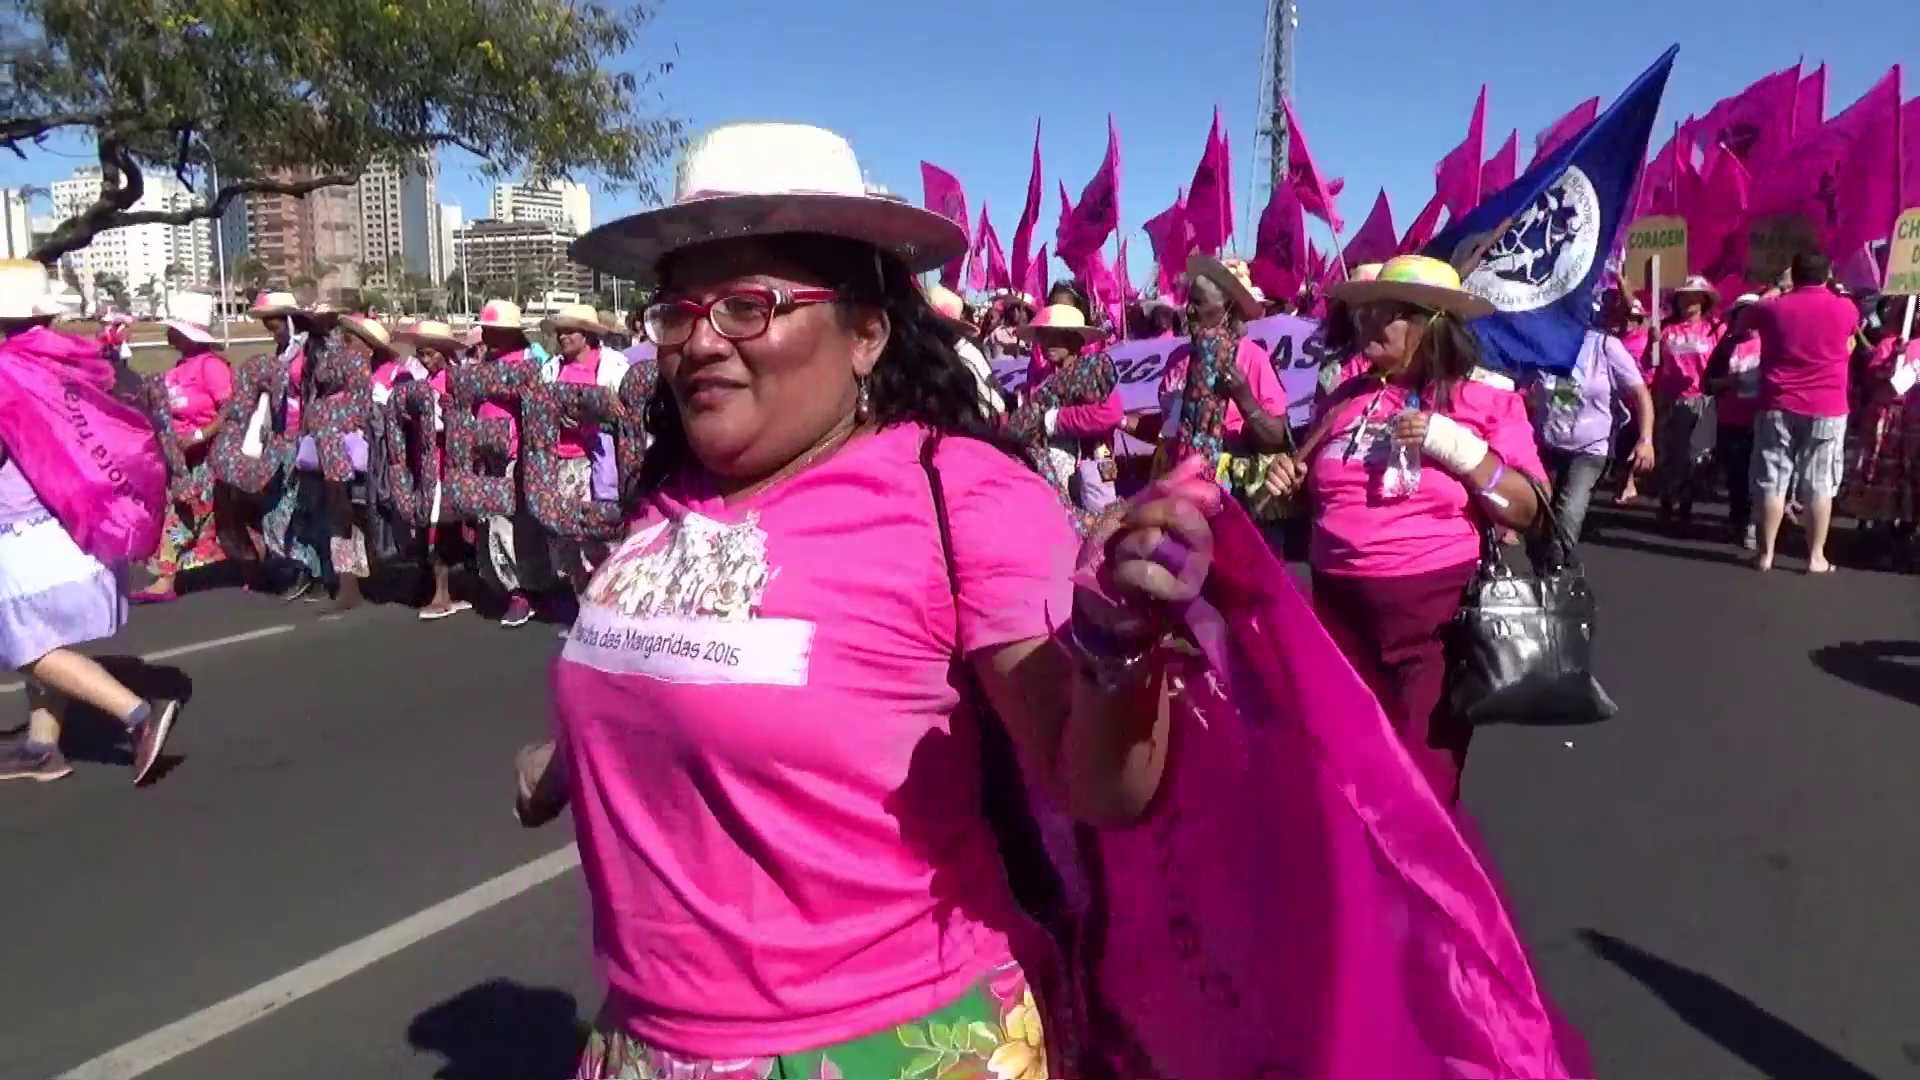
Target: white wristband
{"points": [[1460, 451], [1052, 420]]}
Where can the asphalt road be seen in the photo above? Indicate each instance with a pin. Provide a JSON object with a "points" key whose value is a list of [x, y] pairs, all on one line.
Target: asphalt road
{"points": [[1715, 883]]}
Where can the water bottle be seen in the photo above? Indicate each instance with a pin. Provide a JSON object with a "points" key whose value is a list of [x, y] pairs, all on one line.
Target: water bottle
{"points": [[1402, 476]]}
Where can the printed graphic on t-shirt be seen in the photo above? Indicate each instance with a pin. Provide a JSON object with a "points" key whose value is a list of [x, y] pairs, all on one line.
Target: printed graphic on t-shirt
{"points": [[1366, 441], [680, 602]]}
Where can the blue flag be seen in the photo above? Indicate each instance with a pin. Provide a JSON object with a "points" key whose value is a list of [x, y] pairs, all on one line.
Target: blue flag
{"points": [[1558, 224]]}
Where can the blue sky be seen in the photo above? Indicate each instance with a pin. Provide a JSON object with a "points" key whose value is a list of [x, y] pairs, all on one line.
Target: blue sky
{"points": [[1384, 88]]}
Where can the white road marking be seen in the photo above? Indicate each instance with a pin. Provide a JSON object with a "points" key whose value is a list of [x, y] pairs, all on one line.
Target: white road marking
{"points": [[153, 1050], [185, 650]]}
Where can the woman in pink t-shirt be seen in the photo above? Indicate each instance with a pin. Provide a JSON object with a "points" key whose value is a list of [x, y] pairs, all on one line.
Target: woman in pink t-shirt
{"points": [[1405, 465], [767, 716], [1679, 398], [198, 387]]}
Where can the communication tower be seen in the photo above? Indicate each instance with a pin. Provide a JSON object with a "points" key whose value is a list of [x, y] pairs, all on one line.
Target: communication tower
{"points": [[1276, 87]]}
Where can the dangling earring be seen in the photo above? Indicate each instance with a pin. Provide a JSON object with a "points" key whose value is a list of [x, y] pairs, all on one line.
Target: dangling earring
{"points": [[862, 405]]}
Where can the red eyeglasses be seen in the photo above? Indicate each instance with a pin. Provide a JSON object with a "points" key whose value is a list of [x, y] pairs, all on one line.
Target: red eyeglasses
{"points": [[740, 315]]}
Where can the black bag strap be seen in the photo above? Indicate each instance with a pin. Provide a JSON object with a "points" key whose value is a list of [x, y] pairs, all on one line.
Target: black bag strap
{"points": [[1035, 880], [1549, 547]]}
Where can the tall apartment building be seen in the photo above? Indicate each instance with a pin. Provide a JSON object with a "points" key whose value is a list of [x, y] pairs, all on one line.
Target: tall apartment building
{"points": [[400, 219], [496, 253], [279, 235], [139, 255], [451, 220], [16, 219], [562, 204], [335, 216]]}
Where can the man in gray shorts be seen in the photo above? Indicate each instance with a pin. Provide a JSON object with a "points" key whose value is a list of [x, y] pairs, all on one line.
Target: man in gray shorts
{"points": [[1806, 339]]}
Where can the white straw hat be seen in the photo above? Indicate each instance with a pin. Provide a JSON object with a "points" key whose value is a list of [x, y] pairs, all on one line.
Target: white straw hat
{"points": [[576, 317], [768, 180], [192, 317], [24, 289]]}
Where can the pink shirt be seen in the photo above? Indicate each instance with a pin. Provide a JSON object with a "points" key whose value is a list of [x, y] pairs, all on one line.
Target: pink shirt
{"points": [[578, 442], [1635, 339], [1806, 343], [196, 389], [387, 376], [1358, 533], [1255, 364], [489, 411], [775, 790], [1684, 351]]}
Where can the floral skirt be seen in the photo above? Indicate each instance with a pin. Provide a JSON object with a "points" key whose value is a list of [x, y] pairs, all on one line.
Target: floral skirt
{"points": [[187, 537], [992, 1033]]}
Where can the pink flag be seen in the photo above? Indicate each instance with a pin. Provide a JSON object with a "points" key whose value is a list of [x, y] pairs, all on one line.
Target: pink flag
{"points": [[1127, 292], [1659, 181], [1843, 176], [1810, 106], [1421, 232], [1279, 264], [998, 276], [1457, 177], [1756, 124], [1094, 218], [1910, 154], [945, 196], [1243, 920], [1565, 128], [1209, 205], [1171, 237], [1377, 241], [1101, 287], [1315, 192], [1029, 216], [1036, 281], [1717, 220], [976, 259], [1501, 168]]}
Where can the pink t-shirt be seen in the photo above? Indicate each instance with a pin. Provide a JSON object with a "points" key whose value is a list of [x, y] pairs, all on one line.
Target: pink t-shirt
{"points": [[1356, 532], [1635, 339], [489, 411], [387, 376], [196, 389], [1806, 343], [1684, 351], [1254, 363], [578, 442], [775, 790]]}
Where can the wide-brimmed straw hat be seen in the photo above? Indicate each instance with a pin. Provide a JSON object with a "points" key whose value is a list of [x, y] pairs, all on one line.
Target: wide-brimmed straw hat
{"points": [[368, 330], [429, 332], [501, 315], [768, 180], [192, 317], [947, 304], [1366, 272], [1416, 280], [1234, 279], [25, 290], [269, 304], [1061, 319], [576, 317], [1699, 286]]}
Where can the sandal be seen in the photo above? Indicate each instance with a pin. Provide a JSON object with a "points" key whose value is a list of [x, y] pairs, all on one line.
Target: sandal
{"points": [[431, 614], [153, 596]]}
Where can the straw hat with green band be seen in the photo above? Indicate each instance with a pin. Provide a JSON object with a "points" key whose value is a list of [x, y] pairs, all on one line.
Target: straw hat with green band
{"points": [[1418, 281]]}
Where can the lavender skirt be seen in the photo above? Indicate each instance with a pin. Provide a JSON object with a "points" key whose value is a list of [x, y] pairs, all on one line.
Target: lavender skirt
{"points": [[52, 594]]}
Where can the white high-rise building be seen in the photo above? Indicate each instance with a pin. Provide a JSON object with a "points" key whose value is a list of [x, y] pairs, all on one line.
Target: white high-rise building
{"points": [[400, 219], [563, 204], [140, 255]]}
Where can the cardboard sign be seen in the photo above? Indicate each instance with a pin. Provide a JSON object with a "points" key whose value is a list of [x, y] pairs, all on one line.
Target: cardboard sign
{"points": [[1773, 241], [1665, 236], [1903, 257]]}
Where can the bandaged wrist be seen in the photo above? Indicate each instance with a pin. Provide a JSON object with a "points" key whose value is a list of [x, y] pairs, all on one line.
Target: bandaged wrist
{"points": [[1052, 420], [1458, 450]]}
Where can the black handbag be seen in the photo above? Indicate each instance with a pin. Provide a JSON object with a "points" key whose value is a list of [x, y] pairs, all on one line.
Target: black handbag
{"points": [[1520, 649]]}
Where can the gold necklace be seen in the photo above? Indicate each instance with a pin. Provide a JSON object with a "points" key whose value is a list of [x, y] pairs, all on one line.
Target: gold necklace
{"points": [[836, 437]]}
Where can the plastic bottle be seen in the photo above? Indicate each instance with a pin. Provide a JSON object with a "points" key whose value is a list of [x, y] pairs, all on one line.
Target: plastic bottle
{"points": [[1402, 476]]}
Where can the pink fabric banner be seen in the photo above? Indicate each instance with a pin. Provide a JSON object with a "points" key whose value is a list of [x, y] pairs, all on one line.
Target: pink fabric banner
{"points": [[1171, 236], [1457, 177], [1757, 123], [976, 258], [998, 276], [1377, 241], [1029, 216], [1565, 128], [1843, 177], [944, 196], [1085, 227], [1501, 168], [1036, 281], [1717, 221], [1315, 192], [1298, 903], [1910, 154], [1209, 203]]}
